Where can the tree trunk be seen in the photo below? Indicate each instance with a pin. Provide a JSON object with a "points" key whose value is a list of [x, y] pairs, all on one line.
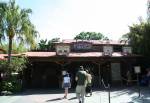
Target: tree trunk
{"points": [[9, 50]]}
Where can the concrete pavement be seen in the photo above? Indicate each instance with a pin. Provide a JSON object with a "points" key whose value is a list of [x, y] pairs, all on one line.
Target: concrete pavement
{"points": [[118, 95]]}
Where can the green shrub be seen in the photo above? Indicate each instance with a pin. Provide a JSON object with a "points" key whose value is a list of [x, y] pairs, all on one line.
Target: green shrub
{"points": [[12, 86], [11, 82], [7, 86], [17, 86]]}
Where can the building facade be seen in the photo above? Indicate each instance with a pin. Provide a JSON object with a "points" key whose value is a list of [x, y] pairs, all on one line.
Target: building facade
{"points": [[106, 60]]}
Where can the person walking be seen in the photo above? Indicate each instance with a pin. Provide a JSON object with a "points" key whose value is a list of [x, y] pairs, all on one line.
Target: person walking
{"points": [[148, 77], [0, 82], [129, 78], [81, 79], [89, 83], [66, 84]]}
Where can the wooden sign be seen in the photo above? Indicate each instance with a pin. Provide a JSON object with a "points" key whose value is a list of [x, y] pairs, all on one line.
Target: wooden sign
{"points": [[62, 49], [82, 45], [127, 50], [107, 50], [137, 69]]}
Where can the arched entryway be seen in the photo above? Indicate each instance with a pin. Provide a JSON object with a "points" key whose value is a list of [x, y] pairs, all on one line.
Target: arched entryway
{"points": [[73, 67]]}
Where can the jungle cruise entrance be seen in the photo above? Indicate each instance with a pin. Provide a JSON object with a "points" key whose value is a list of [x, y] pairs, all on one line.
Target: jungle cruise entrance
{"points": [[106, 60]]}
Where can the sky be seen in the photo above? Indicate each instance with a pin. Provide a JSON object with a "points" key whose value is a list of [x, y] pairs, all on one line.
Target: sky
{"points": [[67, 18]]}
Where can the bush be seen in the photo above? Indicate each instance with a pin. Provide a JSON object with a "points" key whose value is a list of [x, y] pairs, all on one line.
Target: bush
{"points": [[11, 86], [17, 64], [11, 82], [6, 86], [17, 86]]}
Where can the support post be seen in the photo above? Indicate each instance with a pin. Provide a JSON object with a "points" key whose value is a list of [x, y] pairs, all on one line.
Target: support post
{"points": [[137, 70], [109, 92], [138, 84], [99, 74]]}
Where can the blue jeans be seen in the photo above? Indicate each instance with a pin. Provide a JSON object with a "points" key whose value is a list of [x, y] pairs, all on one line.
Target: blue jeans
{"points": [[145, 80]]}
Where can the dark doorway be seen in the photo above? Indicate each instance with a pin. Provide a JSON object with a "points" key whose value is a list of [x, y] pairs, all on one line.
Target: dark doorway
{"points": [[105, 72], [73, 67], [45, 75]]}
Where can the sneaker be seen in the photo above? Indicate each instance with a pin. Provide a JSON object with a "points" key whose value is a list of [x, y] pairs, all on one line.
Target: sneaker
{"points": [[65, 97], [90, 94]]}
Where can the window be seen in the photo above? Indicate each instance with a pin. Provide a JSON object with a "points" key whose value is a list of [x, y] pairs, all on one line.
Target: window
{"points": [[59, 51], [65, 51]]}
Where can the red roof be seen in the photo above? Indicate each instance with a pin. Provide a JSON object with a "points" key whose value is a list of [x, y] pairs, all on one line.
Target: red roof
{"points": [[72, 54], [85, 54], [2, 57], [40, 54]]}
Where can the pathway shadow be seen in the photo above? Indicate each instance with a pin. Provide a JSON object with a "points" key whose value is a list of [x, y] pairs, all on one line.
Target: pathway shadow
{"points": [[55, 99], [40, 91], [143, 99], [72, 98]]}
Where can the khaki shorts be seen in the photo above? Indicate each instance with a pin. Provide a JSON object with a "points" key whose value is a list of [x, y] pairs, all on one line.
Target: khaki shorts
{"points": [[80, 89]]}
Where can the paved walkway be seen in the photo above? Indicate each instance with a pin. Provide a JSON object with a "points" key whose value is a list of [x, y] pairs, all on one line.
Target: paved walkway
{"points": [[126, 95]]}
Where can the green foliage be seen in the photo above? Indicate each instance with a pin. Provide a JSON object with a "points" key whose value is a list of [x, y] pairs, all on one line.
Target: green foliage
{"points": [[11, 85], [16, 48], [17, 65], [2, 6], [90, 36], [11, 82], [15, 24], [55, 40], [7, 86], [42, 45], [139, 37], [3, 65], [45, 45]]}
